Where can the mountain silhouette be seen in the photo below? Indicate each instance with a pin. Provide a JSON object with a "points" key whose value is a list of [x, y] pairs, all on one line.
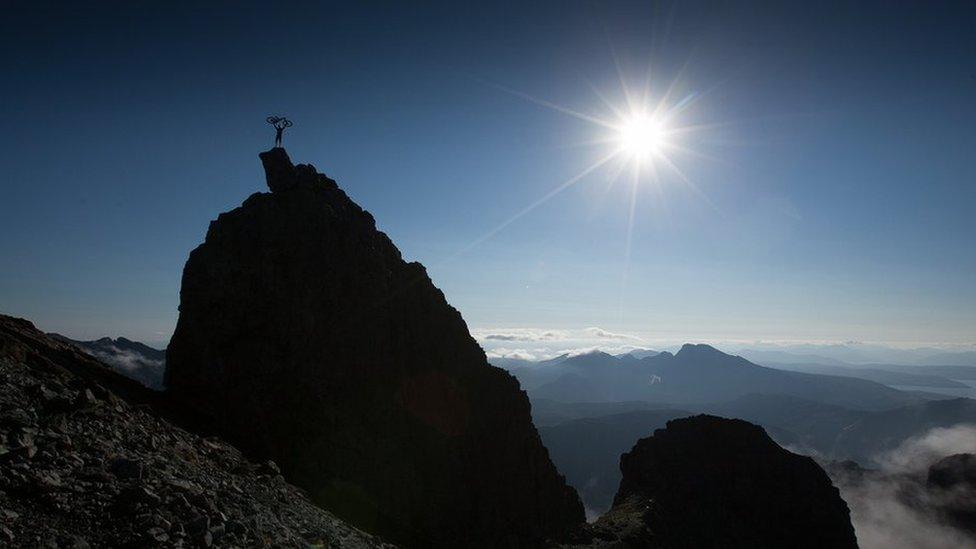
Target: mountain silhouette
{"points": [[305, 337], [696, 374]]}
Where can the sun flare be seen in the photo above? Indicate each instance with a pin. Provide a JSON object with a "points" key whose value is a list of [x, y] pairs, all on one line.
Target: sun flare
{"points": [[641, 136]]}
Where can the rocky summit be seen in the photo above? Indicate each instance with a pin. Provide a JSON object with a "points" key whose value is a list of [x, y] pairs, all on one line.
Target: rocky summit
{"points": [[87, 459], [306, 338], [706, 481]]}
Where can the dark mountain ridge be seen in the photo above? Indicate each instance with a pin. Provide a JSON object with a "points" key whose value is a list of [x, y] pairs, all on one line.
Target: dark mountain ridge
{"points": [[305, 337]]}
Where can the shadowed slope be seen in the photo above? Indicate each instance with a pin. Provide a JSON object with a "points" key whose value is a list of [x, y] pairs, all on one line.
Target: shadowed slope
{"points": [[86, 460]]}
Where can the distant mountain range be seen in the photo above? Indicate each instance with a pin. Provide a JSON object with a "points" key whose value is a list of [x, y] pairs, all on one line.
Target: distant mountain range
{"points": [[130, 358], [697, 374], [891, 374], [590, 408], [859, 354]]}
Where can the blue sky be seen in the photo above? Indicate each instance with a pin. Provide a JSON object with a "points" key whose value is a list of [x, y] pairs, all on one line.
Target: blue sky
{"points": [[834, 166]]}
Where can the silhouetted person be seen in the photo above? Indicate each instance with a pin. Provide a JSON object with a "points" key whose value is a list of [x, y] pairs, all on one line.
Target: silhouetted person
{"points": [[279, 123]]}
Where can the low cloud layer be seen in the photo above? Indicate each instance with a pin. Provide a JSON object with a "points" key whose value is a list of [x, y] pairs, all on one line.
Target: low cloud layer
{"points": [[896, 509], [521, 334], [604, 334], [143, 369], [539, 344]]}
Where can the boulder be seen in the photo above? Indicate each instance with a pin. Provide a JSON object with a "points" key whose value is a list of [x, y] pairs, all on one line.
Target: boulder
{"points": [[706, 481]]}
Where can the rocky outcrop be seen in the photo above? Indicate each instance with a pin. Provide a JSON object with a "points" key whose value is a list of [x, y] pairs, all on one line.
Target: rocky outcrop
{"points": [[305, 337], [955, 471], [86, 460], [706, 481], [953, 478]]}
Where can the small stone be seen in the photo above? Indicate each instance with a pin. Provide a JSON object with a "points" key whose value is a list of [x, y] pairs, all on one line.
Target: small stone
{"points": [[9, 515], [76, 542], [130, 498], [85, 399], [203, 502], [157, 534], [6, 534], [177, 530], [28, 451], [17, 417], [94, 474], [59, 423], [22, 439], [198, 525], [65, 442], [47, 394], [234, 527], [48, 481], [217, 531], [126, 469], [269, 468], [99, 392]]}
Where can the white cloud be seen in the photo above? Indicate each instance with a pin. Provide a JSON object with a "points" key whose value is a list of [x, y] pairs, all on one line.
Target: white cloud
{"points": [[519, 354], [518, 334], [896, 509], [543, 344], [920, 452], [604, 334]]}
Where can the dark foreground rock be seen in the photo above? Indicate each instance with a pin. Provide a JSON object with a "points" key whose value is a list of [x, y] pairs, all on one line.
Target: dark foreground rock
{"points": [[305, 337], [85, 461], [954, 478], [705, 481]]}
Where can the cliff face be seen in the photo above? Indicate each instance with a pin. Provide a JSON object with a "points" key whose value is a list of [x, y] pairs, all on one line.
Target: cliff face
{"points": [[305, 337], [86, 460], [705, 481]]}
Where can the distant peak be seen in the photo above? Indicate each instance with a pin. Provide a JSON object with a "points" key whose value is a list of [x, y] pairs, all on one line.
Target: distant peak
{"points": [[699, 350]]}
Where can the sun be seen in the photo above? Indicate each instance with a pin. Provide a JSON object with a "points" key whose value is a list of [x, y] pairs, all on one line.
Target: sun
{"points": [[641, 136]]}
